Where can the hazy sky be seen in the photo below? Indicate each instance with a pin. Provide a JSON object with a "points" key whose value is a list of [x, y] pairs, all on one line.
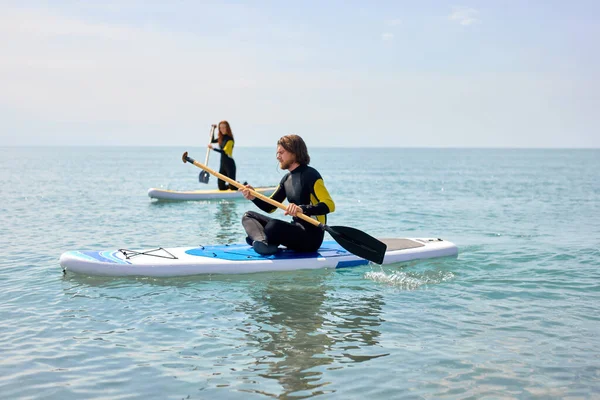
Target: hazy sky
{"points": [[339, 73]]}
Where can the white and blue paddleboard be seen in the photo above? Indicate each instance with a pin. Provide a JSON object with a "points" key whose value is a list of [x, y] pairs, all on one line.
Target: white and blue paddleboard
{"points": [[239, 259], [210, 194]]}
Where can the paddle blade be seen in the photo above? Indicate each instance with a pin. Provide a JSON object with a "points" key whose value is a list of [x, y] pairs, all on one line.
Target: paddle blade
{"points": [[203, 177], [358, 242]]}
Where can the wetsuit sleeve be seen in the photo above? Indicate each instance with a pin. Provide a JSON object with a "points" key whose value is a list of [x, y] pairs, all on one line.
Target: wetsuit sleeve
{"points": [[216, 140], [323, 203], [278, 195]]}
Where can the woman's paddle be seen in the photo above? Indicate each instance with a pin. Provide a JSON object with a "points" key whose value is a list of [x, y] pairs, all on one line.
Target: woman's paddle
{"points": [[203, 177], [355, 241]]}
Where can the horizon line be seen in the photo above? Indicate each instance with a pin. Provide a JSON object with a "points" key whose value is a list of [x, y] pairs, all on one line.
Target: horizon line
{"points": [[314, 146]]}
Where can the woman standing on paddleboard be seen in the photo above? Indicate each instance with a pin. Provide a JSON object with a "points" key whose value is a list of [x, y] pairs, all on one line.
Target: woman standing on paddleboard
{"points": [[226, 142]]}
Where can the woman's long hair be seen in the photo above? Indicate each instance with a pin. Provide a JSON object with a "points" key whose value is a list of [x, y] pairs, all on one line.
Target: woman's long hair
{"points": [[295, 145], [227, 132]]}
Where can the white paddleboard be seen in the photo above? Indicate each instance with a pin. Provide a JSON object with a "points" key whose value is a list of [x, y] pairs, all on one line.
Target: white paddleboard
{"points": [[214, 194], [239, 259]]}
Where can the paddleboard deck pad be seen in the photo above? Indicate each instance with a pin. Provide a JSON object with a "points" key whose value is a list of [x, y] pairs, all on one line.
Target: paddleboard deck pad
{"points": [[215, 194], [239, 259]]}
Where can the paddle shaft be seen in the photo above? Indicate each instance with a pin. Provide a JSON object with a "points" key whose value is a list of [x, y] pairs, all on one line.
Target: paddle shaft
{"points": [[212, 133], [254, 193]]}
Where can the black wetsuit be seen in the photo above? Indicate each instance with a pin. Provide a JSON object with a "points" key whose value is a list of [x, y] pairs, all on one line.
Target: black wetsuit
{"points": [[227, 166], [304, 187]]}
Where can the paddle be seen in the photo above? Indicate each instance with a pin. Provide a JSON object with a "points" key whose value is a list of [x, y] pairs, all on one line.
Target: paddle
{"points": [[355, 241], [203, 177]]}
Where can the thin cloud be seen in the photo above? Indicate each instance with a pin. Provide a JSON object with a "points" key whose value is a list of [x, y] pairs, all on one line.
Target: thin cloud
{"points": [[464, 15], [394, 22], [106, 71], [39, 24], [387, 36]]}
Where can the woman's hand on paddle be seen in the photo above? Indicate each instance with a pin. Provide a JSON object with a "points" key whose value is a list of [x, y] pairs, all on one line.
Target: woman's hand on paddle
{"points": [[246, 192], [293, 210], [210, 146]]}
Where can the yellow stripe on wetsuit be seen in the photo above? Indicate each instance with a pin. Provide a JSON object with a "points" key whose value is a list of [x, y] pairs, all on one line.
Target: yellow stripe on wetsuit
{"points": [[228, 148], [321, 195]]}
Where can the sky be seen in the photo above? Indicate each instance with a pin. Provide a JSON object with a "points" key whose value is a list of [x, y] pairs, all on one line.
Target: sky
{"points": [[503, 73]]}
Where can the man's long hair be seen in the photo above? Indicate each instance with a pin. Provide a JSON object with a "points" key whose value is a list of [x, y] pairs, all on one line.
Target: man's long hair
{"points": [[295, 145], [227, 132]]}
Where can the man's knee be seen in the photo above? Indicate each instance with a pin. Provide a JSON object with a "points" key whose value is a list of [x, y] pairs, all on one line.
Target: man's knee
{"points": [[250, 215]]}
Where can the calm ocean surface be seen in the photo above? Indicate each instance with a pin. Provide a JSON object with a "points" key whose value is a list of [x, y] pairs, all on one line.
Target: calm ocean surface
{"points": [[516, 315]]}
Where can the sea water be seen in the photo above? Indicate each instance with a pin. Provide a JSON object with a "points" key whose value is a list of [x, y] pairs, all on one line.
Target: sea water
{"points": [[515, 315]]}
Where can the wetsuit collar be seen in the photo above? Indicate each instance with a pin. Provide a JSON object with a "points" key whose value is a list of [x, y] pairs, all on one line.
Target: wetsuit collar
{"points": [[297, 169], [294, 168]]}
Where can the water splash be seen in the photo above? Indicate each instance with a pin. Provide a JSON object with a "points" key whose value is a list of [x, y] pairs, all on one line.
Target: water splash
{"points": [[409, 280]]}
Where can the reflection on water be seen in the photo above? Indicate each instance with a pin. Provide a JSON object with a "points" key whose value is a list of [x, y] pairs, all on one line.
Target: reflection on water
{"points": [[229, 221], [353, 325], [301, 328]]}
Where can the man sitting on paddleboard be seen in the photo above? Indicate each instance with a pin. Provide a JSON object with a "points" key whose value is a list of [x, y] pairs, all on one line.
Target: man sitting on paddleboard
{"points": [[306, 193]]}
